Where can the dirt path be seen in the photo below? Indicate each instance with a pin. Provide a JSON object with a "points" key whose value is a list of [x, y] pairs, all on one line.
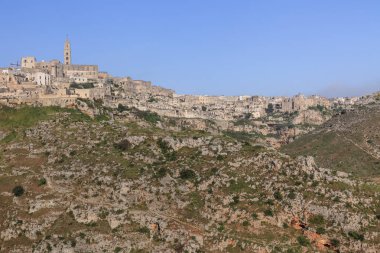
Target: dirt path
{"points": [[358, 146]]}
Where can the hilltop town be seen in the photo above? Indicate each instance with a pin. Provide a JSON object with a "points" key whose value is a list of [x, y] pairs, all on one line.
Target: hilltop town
{"points": [[53, 83]]}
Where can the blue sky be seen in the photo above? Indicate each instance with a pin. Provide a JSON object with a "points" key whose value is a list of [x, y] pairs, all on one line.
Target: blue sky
{"points": [[214, 47]]}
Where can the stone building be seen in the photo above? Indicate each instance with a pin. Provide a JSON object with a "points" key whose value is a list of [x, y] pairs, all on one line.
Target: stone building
{"points": [[94, 93], [79, 79], [85, 71], [12, 77], [103, 75], [5, 77], [28, 62], [41, 78], [53, 67]]}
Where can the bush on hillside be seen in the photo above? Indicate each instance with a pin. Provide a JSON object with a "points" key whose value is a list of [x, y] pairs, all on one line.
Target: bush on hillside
{"points": [[187, 174], [18, 191], [123, 145]]}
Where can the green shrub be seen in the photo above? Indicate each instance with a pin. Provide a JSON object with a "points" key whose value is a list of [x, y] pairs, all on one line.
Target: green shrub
{"points": [[18, 191], [317, 220], [291, 195], [143, 230], [161, 172], [269, 202], [270, 108], [277, 195], [42, 181], [268, 212], [172, 156], [219, 157], [163, 145], [152, 99], [320, 108], [215, 170], [320, 230], [302, 240], [335, 242], [103, 214], [148, 116], [91, 224], [235, 199], [314, 184], [356, 236], [187, 174], [122, 108], [244, 137], [123, 145], [102, 117], [98, 102]]}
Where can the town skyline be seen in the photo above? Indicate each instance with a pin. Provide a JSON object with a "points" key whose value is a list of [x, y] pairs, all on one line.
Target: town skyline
{"points": [[65, 84], [352, 90], [215, 48]]}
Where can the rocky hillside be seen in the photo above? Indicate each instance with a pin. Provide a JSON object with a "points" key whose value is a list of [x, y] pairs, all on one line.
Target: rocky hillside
{"points": [[349, 142], [138, 182]]}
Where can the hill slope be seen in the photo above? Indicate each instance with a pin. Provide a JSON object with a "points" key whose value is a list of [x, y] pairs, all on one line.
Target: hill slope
{"points": [[135, 184], [348, 142]]}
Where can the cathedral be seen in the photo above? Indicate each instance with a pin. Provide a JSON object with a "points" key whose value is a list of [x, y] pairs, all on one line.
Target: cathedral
{"points": [[57, 69]]}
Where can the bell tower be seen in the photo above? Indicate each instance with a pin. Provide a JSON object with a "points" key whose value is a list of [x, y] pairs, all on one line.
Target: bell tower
{"points": [[67, 52]]}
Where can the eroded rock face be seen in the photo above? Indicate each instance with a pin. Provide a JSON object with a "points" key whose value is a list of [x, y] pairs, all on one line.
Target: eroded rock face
{"points": [[169, 191], [312, 117]]}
